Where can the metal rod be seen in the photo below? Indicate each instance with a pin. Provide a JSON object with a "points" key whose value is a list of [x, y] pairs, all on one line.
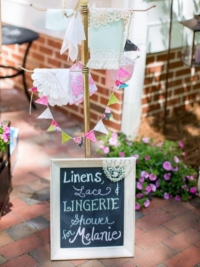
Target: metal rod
{"points": [[85, 71], [167, 66]]}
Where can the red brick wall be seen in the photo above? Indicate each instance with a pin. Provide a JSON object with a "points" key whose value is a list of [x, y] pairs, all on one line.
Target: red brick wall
{"points": [[183, 89], [45, 53]]}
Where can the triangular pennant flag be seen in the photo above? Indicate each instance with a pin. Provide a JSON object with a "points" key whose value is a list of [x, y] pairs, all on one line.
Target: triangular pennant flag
{"points": [[53, 127], [33, 89], [46, 114], [100, 127], [123, 73], [78, 141], [43, 101], [65, 137], [107, 114], [118, 83], [90, 135], [122, 86], [113, 100]]}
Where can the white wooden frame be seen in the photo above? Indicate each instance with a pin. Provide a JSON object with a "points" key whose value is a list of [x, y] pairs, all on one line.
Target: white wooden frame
{"points": [[127, 250]]}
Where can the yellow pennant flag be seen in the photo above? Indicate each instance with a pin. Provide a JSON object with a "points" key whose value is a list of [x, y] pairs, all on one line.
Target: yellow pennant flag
{"points": [[51, 128], [65, 138], [113, 100]]}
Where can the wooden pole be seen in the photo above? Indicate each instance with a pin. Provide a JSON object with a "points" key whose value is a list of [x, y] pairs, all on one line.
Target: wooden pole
{"points": [[85, 71]]}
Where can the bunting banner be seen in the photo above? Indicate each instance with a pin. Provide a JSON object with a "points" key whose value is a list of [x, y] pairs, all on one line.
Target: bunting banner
{"points": [[33, 90], [100, 127], [43, 101], [91, 136], [65, 137], [54, 127], [46, 114], [78, 141], [113, 100]]}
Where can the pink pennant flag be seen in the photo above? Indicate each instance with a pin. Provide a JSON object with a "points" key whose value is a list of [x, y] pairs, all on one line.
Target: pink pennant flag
{"points": [[78, 141], [118, 83], [123, 73], [43, 101], [33, 89], [90, 135]]}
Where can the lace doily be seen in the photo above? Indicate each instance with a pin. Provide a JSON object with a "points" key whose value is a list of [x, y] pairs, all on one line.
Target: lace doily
{"points": [[52, 83], [104, 60], [103, 16], [117, 169]]}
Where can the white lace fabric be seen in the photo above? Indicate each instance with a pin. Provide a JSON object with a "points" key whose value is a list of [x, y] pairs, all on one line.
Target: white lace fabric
{"points": [[103, 16], [117, 169]]}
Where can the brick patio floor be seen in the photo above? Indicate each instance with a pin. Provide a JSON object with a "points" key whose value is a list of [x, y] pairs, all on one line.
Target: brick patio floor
{"points": [[167, 233]]}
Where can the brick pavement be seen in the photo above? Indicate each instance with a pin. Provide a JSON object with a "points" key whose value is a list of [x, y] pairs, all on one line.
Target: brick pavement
{"points": [[167, 234]]}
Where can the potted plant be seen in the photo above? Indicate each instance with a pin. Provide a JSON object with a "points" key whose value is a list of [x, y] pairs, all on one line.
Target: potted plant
{"points": [[160, 168], [5, 173]]}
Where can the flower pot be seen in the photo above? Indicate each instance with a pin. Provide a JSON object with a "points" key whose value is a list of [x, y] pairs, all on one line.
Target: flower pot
{"points": [[5, 180]]}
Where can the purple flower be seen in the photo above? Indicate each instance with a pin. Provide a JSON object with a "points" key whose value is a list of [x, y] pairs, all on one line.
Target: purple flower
{"points": [[152, 177], [166, 195], [105, 149], [137, 206], [193, 190], [190, 177], [129, 143], [121, 154], [167, 176], [153, 187], [139, 186], [135, 156], [148, 189], [158, 183], [141, 179], [139, 195], [167, 166], [145, 140], [175, 169], [147, 157], [180, 144], [177, 198], [176, 159], [144, 174], [146, 203], [184, 187]]}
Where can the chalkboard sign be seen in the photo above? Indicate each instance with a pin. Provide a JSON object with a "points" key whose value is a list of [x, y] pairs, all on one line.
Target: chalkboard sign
{"points": [[91, 216]]}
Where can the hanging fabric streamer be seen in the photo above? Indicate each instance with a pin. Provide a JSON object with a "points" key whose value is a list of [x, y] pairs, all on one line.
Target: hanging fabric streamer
{"points": [[55, 20]]}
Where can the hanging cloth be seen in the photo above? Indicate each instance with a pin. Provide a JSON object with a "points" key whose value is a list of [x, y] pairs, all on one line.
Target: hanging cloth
{"points": [[106, 37], [55, 20], [73, 36]]}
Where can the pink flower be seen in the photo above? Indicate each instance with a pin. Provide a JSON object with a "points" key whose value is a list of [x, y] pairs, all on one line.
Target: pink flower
{"points": [[105, 149], [141, 179], [180, 144], [183, 154], [4, 137], [139, 195], [159, 144], [166, 195], [152, 177], [144, 174], [153, 187], [137, 206], [177, 198], [167, 166], [193, 190], [175, 169], [148, 189], [145, 140], [147, 157], [184, 187], [146, 203], [113, 141], [6, 130], [190, 177], [139, 186], [135, 156], [176, 159], [114, 135], [121, 154], [167, 176], [158, 183]]}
